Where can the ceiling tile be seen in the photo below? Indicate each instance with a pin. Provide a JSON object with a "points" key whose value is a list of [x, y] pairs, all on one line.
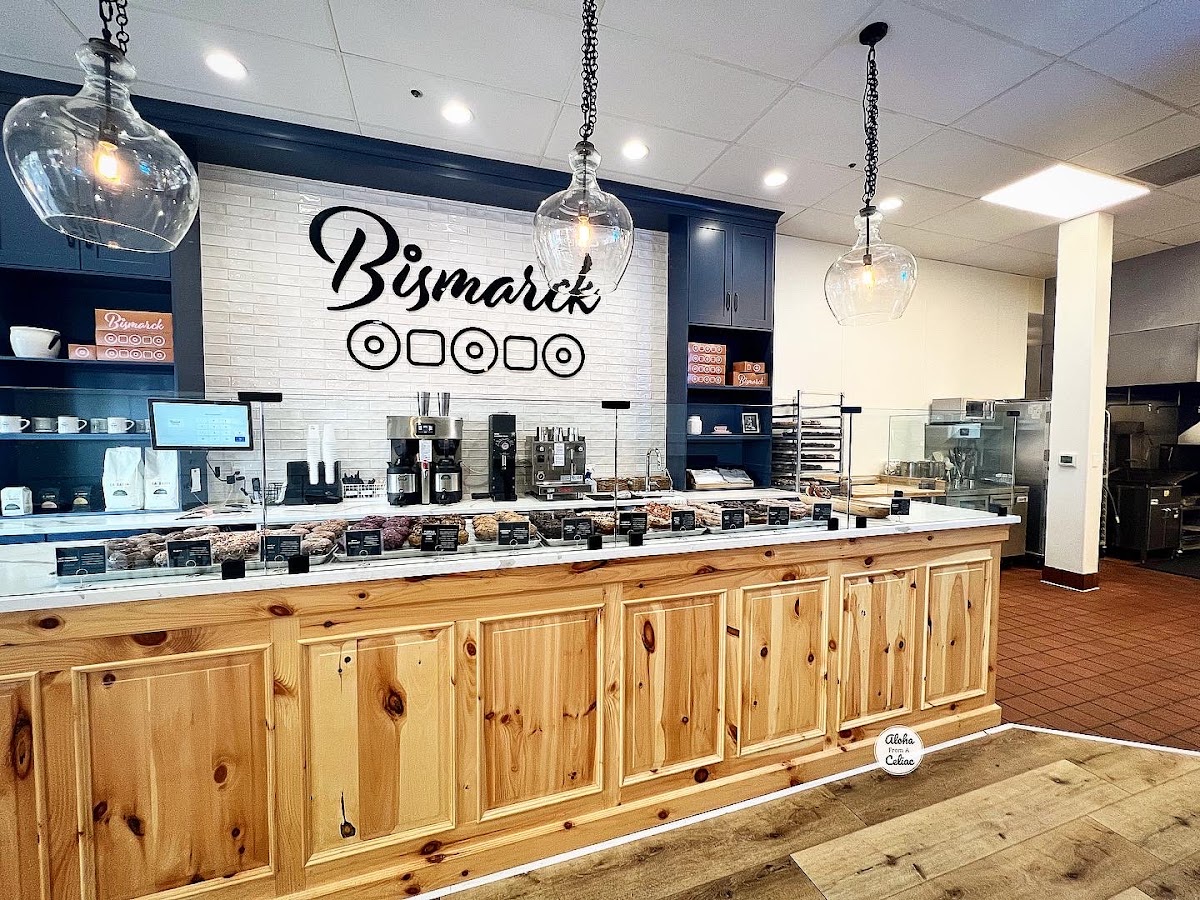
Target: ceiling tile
{"points": [[740, 171], [489, 42], [1009, 259], [674, 156], [45, 34], [1056, 27], [503, 120], [452, 146], [1137, 247], [985, 221], [929, 66], [829, 129], [304, 21], [1154, 51], [1063, 111], [779, 37], [963, 164], [920, 203], [1040, 240], [1188, 234], [1155, 212], [930, 244], [1189, 187], [1162, 139], [645, 81], [820, 225]]}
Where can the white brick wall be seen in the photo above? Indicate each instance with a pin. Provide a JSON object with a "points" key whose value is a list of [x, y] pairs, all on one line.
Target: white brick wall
{"points": [[267, 327]]}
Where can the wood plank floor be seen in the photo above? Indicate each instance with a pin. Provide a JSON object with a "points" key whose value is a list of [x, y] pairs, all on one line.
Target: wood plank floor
{"points": [[1017, 814]]}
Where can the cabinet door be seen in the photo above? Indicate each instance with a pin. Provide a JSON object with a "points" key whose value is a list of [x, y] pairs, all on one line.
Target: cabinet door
{"points": [[24, 240], [752, 277], [96, 258], [540, 706], [380, 734], [20, 837], [878, 624], [785, 649], [958, 622], [709, 292], [673, 683]]}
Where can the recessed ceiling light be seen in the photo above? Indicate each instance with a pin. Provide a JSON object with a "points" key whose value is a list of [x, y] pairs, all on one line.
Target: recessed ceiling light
{"points": [[635, 149], [457, 113], [775, 178], [226, 65], [889, 204], [1066, 192]]}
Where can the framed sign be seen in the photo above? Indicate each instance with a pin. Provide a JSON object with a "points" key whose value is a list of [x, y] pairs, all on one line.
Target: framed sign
{"points": [[749, 423]]}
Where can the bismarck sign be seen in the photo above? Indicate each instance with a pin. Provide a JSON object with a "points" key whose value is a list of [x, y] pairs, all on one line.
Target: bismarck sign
{"points": [[375, 344]]}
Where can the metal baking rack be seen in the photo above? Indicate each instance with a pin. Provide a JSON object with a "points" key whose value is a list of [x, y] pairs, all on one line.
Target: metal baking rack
{"points": [[807, 440]]}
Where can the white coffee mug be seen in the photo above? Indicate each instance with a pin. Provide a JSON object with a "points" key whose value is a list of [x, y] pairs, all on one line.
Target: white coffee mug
{"points": [[13, 424], [119, 425], [695, 425], [71, 424]]}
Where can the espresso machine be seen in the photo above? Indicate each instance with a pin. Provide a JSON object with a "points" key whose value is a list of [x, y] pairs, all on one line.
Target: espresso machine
{"points": [[557, 463], [502, 456], [426, 455]]}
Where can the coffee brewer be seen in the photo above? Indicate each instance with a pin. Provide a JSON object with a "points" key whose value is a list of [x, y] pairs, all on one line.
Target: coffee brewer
{"points": [[557, 463], [502, 456], [426, 463]]}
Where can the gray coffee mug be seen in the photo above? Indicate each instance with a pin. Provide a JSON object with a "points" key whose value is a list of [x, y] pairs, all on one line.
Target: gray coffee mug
{"points": [[99, 425], [45, 424]]}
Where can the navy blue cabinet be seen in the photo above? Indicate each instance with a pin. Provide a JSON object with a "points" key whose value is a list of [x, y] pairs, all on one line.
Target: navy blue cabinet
{"points": [[710, 299], [95, 258], [24, 240], [753, 264], [730, 275]]}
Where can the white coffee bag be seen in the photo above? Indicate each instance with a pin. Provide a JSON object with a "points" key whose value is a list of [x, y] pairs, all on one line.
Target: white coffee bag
{"points": [[161, 479], [123, 479]]}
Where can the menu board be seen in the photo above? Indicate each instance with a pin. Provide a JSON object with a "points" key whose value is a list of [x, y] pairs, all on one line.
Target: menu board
{"points": [[732, 519], [578, 528], [89, 560], [364, 542], [189, 554], [683, 520], [630, 521], [279, 547], [439, 538], [511, 534]]}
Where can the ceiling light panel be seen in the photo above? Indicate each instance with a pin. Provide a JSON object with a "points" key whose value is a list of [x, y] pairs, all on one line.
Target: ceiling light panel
{"points": [[1066, 192]]}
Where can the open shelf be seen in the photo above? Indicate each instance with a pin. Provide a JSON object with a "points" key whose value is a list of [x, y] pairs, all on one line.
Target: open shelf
{"points": [[87, 363], [697, 438], [128, 437]]}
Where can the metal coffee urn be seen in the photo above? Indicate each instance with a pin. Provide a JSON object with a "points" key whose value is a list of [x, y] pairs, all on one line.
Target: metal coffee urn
{"points": [[426, 459]]}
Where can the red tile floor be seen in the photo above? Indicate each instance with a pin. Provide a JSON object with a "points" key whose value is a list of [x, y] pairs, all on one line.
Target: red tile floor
{"points": [[1123, 661]]}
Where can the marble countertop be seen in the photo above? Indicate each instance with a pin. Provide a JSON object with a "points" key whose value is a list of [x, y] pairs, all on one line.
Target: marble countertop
{"points": [[29, 582]]}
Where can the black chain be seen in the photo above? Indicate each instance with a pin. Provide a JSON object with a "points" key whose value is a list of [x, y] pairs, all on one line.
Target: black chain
{"points": [[590, 70], [115, 11], [871, 127]]}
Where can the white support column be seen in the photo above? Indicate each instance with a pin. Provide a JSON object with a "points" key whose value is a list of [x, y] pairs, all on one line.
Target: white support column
{"points": [[1077, 402]]}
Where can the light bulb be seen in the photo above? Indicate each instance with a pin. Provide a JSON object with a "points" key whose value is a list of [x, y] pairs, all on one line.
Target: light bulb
{"points": [[583, 231], [106, 163], [868, 275]]}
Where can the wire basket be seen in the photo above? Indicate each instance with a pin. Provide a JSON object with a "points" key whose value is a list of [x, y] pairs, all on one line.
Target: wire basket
{"points": [[363, 490]]}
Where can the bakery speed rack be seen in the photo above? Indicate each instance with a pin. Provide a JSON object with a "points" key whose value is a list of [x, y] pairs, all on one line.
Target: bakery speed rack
{"points": [[807, 440]]}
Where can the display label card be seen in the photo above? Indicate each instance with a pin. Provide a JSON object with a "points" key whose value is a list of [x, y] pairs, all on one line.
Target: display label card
{"points": [[733, 518], [822, 512], [631, 521], [189, 554], [91, 560], [364, 542], [280, 547], [578, 528], [439, 538], [901, 506], [683, 520], [511, 534], [779, 515]]}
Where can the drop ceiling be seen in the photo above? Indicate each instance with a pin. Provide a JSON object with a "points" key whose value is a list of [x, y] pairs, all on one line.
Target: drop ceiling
{"points": [[976, 93]]}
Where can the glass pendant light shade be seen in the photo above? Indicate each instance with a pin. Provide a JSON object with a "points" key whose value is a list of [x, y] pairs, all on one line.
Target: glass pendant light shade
{"points": [[583, 237], [873, 281], [94, 169]]}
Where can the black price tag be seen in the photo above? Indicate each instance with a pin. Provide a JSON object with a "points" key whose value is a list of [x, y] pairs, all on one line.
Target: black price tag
{"points": [[822, 512], [80, 560], [189, 554], [683, 520], [512, 534], [578, 528], [628, 522], [439, 538], [733, 518], [901, 506], [367, 542], [779, 515], [280, 547]]}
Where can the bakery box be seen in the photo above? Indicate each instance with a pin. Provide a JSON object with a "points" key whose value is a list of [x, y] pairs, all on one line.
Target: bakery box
{"points": [[158, 326], [749, 379], [697, 378], [704, 347], [137, 354], [754, 368], [81, 351], [706, 368]]}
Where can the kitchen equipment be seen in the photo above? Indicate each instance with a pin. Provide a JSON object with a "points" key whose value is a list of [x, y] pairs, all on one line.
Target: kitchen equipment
{"points": [[961, 409], [426, 463], [45, 424], [557, 464], [71, 424], [16, 501], [502, 456], [695, 425], [119, 425], [29, 342], [1150, 517], [13, 424], [124, 488]]}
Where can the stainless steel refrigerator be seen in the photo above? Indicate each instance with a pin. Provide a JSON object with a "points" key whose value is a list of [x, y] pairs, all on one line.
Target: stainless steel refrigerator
{"points": [[1029, 433]]}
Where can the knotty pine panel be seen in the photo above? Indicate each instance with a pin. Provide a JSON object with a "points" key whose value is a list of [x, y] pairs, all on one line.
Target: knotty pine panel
{"points": [[958, 623], [878, 625], [21, 861]]}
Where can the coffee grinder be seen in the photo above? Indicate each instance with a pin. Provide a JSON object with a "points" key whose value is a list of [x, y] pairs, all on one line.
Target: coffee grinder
{"points": [[426, 455], [502, 456]]}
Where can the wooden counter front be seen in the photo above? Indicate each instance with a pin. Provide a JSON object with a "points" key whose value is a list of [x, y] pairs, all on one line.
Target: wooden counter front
{"points": [[379, 740]]}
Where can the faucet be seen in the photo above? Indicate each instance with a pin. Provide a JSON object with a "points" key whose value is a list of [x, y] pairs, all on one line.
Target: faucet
{"points": [[656, 453]]}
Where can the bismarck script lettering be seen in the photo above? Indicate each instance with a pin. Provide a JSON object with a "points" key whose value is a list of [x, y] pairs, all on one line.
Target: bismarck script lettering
{"points": [[114, 321], [423, 287]]}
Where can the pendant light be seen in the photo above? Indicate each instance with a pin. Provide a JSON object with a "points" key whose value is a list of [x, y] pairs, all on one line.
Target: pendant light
{"points": [[94, 169], [874, 280], [583, 237]]}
